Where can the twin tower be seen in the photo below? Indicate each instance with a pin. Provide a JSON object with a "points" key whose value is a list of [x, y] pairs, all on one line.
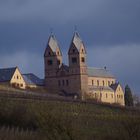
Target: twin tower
{"points": [[71, 78]]}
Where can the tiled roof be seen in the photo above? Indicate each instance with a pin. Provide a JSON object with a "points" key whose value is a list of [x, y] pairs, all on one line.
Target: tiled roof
{"points": [[99, 72], [32, 79], [63, 66], [76, 40], [114, 86], [6, 74], [100, 88]]}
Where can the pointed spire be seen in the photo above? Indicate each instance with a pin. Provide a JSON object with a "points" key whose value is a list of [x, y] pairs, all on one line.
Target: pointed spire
{"points": [[76, 40], [53, 43]]}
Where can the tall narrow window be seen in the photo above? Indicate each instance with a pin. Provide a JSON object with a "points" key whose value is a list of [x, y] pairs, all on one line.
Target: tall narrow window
{"points": [[108, 83], [67, 82], [112, 95], [59, 83], [92, 82], [95, 95], [63, 82], [106, 95], [58, 62], [103, 83], [97, 82], [83, 59]]}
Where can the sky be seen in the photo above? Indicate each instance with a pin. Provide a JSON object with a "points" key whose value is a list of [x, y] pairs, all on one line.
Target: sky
{"points": [[110, 30]]}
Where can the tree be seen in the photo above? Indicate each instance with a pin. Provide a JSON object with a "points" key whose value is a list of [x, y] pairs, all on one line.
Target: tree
{"points": [[136, 100], [128, 96]]}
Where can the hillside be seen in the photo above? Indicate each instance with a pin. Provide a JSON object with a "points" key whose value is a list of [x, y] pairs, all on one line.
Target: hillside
{"points": [[62, 120]]}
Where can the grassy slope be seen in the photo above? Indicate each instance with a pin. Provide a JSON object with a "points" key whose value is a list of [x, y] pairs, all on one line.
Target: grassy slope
{"points": [[58, 120], [78, 121]]}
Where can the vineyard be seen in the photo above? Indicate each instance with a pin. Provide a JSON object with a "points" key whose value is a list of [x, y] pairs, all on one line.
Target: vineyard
{"points": [[35, 117]]}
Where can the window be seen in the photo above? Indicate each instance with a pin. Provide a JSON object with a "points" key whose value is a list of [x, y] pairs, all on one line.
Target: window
{"points": [[49, 53], [58, 62], [101, 95], [109, 83], [97, 82], [17, 77], [63, 82], [83, 59], [82, 50], [21, 85], [112, 95], [103, 83], [95, 95], [92, 82], [58, 53], [73, 50], [67, 82], [50, 62], [74, 60], [59, 83], [106, 95]]}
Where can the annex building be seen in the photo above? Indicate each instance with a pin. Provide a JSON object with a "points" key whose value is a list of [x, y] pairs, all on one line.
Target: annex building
{"points": [[77, 77]]}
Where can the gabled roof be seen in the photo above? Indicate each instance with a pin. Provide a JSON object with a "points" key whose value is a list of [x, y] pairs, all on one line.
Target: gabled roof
{"points": [[65, 67], [53, 43], [32, 79], [76, 41], [6, 74], [114, 86], [99, 72]]}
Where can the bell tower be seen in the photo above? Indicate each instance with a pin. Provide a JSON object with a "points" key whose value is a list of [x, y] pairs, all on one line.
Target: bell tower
{"points": [[77, 64], [52, 61]]}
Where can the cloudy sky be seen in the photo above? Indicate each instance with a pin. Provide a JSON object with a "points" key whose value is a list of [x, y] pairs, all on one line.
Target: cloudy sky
{"points": [[109, 28]]}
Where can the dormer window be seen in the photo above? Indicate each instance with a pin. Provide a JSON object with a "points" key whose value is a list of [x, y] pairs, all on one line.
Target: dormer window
{"points": [[49, 53]]}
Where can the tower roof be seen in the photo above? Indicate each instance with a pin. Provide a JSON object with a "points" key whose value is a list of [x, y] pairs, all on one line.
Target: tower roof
{"points": [[53, 43], [76, 41]]}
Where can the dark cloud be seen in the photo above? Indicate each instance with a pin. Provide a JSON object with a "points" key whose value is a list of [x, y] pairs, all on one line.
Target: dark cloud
{"points": [[109, 28]]}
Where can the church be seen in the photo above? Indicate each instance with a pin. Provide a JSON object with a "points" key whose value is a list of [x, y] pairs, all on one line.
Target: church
{"points": [[76, 77]]}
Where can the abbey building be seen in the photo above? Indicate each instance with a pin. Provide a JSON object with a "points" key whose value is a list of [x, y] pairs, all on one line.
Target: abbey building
{"points": [[76, 77]]}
